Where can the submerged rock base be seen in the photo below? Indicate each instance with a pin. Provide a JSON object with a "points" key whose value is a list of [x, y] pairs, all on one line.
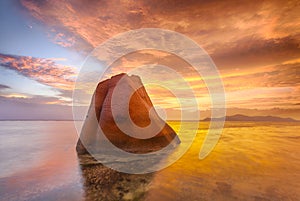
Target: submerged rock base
{"points": [[105, 184]]}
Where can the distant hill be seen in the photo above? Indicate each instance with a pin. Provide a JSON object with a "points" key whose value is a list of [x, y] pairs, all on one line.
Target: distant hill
{"points": [[239, 117]]}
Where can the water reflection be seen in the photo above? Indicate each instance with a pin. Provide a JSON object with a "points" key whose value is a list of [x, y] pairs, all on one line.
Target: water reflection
{"points": [[252, 161], [38, 161], [249, 163]]}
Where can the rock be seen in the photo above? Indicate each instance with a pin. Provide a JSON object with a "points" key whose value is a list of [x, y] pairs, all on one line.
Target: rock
{"points": [[116, 187], [125, 114]]}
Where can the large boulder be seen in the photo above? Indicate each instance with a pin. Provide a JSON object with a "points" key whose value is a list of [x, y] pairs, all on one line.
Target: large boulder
{"points": [[123, 110]]}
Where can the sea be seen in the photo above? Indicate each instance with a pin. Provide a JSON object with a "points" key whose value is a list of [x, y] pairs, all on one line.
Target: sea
{"points": [[257, 161]]}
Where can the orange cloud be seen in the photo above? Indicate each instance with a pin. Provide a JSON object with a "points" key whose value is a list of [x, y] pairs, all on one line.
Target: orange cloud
{"points": [[45, 71], [213, 24], [235, 34], [255, 45], [64, 41]]}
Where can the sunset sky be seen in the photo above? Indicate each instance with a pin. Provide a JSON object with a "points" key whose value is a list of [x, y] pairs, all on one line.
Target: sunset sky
{"points": [[255, 46]]}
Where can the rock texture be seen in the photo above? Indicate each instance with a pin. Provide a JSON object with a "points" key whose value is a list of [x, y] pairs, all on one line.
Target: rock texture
{"points": [[102, 183], [127, 121]]}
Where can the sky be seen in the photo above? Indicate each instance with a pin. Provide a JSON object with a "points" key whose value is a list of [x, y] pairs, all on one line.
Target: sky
{"points": [[254, 45]]}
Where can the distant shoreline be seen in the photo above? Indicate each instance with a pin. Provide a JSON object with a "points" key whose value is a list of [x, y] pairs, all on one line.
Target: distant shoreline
{"points": [[237, 117], [244, 118], [204, 120], [39, 120]]}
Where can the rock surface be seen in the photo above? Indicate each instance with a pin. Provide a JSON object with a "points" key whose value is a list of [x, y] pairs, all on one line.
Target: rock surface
{"points": [[123, 110], [102, 183]]}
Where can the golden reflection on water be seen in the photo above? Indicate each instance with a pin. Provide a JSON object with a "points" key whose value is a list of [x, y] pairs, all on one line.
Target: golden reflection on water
{"points": [[252, 161]]}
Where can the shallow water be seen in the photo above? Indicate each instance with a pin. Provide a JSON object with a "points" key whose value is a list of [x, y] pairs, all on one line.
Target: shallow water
{"points": [[252, 161], [38, 161]]}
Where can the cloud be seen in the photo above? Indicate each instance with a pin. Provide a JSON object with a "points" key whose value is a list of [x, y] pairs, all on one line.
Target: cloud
{"points": [[255, 45], [214, 25], [23, 98], [2, 87], [253, 52], [21, 108], [282, 75], [263, 87], [64, 41], [234, 34], [45, 71]]}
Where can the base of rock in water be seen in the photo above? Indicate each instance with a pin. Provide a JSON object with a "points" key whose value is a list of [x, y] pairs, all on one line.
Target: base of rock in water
{"points": [[105, 184]]}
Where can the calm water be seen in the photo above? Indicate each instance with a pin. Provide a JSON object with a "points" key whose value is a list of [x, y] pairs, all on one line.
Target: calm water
{"points": [[252, 161]]}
